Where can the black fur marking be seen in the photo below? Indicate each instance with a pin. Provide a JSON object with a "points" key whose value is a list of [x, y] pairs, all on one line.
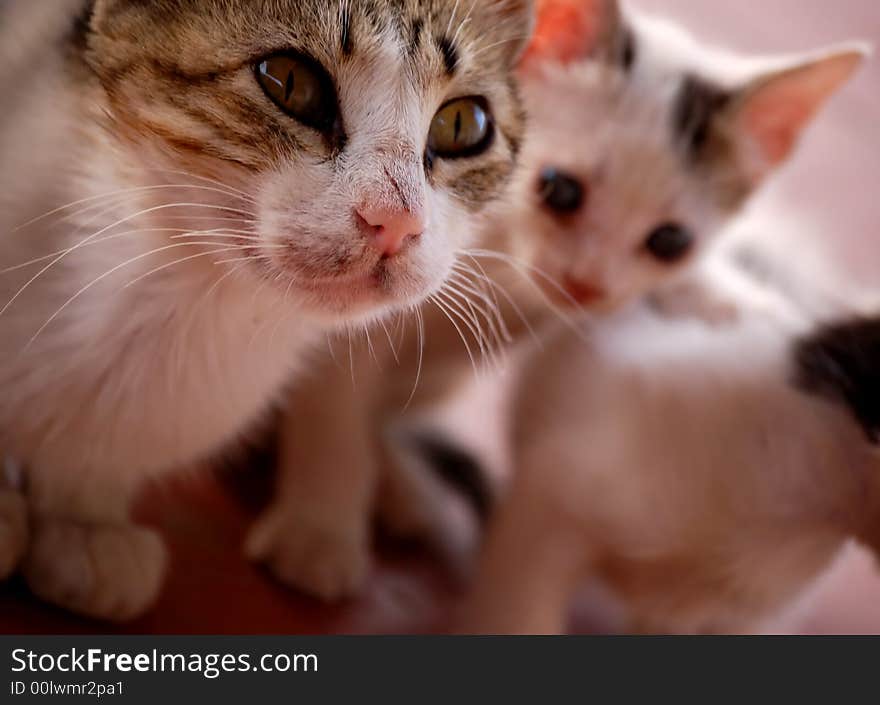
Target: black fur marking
{"points": [[628, 50], [842, 363], [82, 27], [450, 55], [347, 42], [459, 470], [415, 39], [696, 107]]}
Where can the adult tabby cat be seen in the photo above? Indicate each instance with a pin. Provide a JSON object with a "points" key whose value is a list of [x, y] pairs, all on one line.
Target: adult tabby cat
{"points": [[191, 192]]}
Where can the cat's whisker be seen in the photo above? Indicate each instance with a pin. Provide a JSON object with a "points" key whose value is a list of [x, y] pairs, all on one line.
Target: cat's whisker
{"points": [[94, 243], [351, 358], [99, 199], [101, 278], [496, 286], [438, 302], [490, 311], [420, 329], [231, 189], [249, 258], [465, 21], [163, 267], [212, 218], [370, 347], [225, 235], [214, 287], [525, 270], [485, 291], [469, 316], [91, 237], [451, 18], [390, 341], [518, 38], [490, 346], [486, 282]]}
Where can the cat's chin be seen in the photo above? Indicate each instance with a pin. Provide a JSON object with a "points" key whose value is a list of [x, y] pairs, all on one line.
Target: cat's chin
{"points": [[357, 299]]}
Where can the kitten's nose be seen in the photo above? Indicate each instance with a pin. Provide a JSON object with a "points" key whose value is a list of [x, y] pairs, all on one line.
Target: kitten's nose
{"points": [[389, 229]]}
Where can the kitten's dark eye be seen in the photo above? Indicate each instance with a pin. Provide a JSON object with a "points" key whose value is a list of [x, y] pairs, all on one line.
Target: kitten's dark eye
{"points": [[461, 128], [300, 87], [670, 242], [561, 192]]}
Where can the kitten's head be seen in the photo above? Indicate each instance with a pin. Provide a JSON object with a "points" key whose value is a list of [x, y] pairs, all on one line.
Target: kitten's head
{"points": [[645, 144], [365, 134]]}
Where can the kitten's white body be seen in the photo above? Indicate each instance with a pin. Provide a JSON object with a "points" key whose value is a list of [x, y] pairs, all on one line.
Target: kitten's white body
{"points": [[677, 462]]}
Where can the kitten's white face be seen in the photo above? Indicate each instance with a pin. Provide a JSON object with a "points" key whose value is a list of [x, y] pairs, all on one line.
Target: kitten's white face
{"points": [[636, 158], [609, 206], [365, 135]]}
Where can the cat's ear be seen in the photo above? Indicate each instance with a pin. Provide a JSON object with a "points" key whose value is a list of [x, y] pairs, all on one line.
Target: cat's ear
{"points": [[772, 112], [518, 18], [573, 30]]}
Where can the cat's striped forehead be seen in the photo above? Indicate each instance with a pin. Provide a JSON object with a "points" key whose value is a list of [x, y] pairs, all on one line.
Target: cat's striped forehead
{"points": [[430, 37]]}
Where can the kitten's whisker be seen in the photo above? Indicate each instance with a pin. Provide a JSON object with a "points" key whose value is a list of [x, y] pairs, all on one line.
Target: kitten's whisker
{"points": [[249, 258], [119, 194], [518, 38], [487, 345], [525, 269], [351, 358], [448, 313], [451, 18], [232, 189], [91, 237], [466, 20], [420, 328], [517, 309], [490, 311], [180, 261], [101, 278], [93, 243], [371, 348], [468, 316], [390, 341]]}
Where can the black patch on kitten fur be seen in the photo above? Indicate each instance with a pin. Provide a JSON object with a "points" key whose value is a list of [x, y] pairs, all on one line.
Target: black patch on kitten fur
{"points": [[450, 55], [697, 105], [628, 49], [842, 362], [415, 37], [459, 470], [346, 41], [82, 27]]}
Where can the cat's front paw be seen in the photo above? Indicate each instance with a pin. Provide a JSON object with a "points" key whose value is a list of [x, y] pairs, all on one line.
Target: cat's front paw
{"points": [[105, 571], [311, 552], [13, 531]]}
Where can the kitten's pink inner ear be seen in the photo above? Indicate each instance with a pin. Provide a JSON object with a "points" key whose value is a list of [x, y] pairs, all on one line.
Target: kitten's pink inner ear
{"points": [[567, 30], [778, 110]]}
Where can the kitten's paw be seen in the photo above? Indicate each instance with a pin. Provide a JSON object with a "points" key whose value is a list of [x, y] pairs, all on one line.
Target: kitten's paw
{"points": [[13, 531], [105, 571], [323, 558]]}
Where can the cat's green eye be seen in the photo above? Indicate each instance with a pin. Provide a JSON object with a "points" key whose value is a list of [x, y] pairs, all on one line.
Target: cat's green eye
{"points": [[461, 128], [300, 87]]}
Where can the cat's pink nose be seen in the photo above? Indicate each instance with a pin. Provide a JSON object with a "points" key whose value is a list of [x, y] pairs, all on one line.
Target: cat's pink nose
{"points": [[389, 229]]}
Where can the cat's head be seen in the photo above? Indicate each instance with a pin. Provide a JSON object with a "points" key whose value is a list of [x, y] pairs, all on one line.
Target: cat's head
{"points": [[356, 140], [645, 144]]}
